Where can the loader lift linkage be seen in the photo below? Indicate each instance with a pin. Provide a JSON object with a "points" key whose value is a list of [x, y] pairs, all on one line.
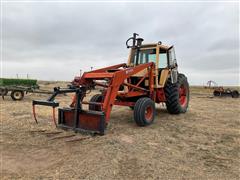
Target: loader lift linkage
{"points": [[138, 84]]}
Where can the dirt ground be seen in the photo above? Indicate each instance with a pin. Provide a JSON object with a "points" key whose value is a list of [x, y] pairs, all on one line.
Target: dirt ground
{"points": [[203, 143]]}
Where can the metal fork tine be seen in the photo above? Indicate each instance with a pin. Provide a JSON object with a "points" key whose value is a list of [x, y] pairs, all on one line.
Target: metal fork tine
{"points": [[50, 133], [54, 118], [34, 114], [35, 131], [77, 139], [61, 137]]}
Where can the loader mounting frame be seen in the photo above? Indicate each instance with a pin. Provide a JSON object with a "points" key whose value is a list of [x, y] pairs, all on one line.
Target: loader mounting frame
{"points": [[77, 119]]}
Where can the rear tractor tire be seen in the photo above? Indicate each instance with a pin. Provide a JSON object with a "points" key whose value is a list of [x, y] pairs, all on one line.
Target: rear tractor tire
{"points": [[177, 95], [96, 98], [17, 95], [144, 111]]}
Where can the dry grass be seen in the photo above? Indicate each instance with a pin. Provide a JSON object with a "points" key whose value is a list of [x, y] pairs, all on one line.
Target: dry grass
{"points": [[201, 144]]}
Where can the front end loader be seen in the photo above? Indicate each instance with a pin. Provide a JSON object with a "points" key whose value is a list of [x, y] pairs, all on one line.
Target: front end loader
{"points": [[150, 76]]}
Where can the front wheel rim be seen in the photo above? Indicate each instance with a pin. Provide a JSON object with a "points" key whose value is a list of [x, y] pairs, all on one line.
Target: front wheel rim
{"points": [[149, 113]]}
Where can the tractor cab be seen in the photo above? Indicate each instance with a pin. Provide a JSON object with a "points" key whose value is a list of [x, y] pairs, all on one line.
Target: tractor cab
{"points": [[162, 56]]}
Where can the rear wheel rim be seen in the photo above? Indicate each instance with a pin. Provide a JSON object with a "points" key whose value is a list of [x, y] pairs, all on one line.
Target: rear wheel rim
{"points": [[182, 95], [17, 95], [149, 113]]}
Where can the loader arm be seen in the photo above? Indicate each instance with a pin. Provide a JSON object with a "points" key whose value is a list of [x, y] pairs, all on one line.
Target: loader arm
{"points": [[76, 118], [116, 79], [119, 79]]}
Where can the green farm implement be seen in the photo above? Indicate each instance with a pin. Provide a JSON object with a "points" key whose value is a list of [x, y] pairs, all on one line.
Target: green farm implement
{"points": [[17, 87]]}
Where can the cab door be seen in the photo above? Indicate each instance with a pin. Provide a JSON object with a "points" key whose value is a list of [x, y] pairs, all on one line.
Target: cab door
{"points": [[162, 64], [171, 56], [172, 64]]}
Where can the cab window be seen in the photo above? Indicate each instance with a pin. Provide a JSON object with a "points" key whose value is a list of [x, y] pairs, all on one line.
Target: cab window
{"points": [[145, 56], [149, 55], [163, 60]]}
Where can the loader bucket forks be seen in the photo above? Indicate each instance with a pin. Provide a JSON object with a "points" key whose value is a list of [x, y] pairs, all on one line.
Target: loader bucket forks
{"points": [[74, 117], [50, 102], [53, 110]]}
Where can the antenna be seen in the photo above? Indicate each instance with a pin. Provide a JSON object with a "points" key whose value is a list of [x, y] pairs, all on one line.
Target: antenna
{"points": [[80, 73]]}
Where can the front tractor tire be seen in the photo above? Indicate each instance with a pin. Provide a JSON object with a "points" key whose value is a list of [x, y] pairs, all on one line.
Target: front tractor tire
{"points": [[177, 95], [96, 98], [144, 111]]}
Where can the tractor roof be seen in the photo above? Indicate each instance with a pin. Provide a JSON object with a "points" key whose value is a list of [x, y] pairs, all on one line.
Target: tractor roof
{"points": [[152, 45]]}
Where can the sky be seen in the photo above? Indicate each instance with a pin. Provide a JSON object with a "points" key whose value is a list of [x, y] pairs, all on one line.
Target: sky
{"points": [[54, 40]]}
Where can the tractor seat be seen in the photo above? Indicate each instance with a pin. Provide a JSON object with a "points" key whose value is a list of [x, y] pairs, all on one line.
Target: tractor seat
{"points": [[163, 76]]}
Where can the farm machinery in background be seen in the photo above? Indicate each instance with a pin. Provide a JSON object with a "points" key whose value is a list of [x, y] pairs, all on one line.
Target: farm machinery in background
{"points": [[220, 91], [150, 76], [17, 87]]}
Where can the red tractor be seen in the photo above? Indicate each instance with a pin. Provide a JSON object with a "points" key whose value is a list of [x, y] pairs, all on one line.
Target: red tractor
{"points": [[150, 76], [220, 91]]}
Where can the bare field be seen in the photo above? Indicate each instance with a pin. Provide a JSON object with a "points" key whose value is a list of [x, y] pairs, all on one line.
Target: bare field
{"points": [[204, 143]]}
